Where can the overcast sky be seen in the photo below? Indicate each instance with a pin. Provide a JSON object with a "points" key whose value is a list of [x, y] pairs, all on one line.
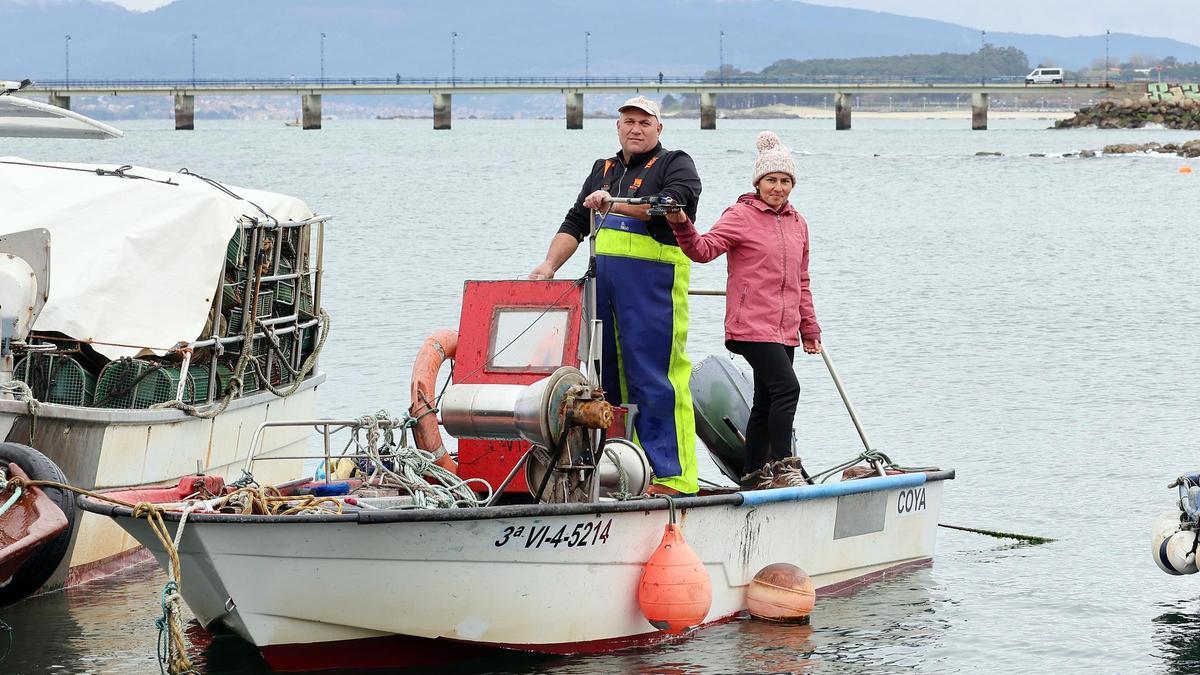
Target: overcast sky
{"points": [[1179, 19]]}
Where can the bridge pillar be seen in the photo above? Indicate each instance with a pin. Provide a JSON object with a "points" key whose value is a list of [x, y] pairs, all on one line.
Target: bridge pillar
{"points": [[841, 110], [60, 100], [575, 110], [979, 111], [441, 111], [708, 110], [185, 112], [310, 111]]}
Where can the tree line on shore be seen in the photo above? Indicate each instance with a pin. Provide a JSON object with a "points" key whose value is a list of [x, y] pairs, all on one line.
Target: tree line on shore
{"points": [[990, 64]]}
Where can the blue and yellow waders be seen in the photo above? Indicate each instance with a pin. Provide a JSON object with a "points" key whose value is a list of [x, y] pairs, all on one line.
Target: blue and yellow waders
{"points": [[641, 295]]}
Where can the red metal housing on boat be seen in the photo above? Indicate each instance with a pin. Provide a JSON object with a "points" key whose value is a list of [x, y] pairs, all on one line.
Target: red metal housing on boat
{"points": [[513, 332]]}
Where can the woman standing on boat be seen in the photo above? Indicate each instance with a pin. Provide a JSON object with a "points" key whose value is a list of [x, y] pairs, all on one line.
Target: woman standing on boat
{"points": [[768, 305]]}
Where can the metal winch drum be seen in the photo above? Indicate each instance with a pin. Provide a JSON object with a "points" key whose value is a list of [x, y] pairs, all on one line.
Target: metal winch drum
{"points": [[561, 416]]}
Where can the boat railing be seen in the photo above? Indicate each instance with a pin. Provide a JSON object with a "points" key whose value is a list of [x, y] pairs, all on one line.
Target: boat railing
{"points": [[327, 428]]}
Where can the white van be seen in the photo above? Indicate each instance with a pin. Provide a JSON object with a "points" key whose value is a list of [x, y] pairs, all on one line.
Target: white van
{"points": [[1045, 76]]}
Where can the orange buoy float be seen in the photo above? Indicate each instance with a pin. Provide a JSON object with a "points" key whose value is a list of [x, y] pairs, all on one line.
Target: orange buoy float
{"points": [[675, 592], [1185, 169], [435, 350], [782, 593]]}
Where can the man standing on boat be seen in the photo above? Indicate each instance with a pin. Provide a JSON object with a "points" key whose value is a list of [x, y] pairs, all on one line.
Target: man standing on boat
{"points": [[641, 289]]}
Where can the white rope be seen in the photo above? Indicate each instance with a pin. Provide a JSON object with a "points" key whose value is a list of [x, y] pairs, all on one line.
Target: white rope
{"points": [[413, 467], [173, 599], [21, 392]]}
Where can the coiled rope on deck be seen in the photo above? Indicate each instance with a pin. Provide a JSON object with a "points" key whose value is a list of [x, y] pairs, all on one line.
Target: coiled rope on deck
{"points": [[412, 468]]}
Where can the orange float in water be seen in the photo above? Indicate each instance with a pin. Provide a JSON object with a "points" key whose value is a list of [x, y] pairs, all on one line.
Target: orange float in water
{"points": [[675, 592], [1185, 169], [781, 592]]}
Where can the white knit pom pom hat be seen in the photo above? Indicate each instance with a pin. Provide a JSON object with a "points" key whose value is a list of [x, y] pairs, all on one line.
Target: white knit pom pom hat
{"points": [[773, 157]]}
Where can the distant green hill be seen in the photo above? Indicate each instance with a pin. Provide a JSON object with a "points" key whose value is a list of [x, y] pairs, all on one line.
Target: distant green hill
{"points": [[991, 62]]}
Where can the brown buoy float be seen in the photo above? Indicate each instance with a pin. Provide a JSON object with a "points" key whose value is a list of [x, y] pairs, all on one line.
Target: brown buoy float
{"points": [[782, 593], [675, 593]]}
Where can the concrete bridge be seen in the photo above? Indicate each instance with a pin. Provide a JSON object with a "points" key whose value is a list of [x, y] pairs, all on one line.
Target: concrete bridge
{"points": [[442, 91]]}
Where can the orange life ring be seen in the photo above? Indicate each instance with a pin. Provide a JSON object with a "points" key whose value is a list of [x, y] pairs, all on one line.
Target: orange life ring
{"points": [[434, 352]]}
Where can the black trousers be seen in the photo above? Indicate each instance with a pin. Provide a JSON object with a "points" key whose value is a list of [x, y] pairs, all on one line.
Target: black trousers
{"points": [[776, 391]]}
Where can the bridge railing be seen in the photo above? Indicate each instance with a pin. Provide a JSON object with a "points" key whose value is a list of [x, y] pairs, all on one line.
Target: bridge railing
{"points": [[343, 82]]}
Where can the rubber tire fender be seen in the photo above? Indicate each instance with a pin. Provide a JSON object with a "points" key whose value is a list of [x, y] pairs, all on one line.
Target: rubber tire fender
{"points": [[41, 565]]}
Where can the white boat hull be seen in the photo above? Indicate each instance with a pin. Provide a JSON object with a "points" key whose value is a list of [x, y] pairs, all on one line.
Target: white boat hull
{"points": [[563, 581], [100, 448]]}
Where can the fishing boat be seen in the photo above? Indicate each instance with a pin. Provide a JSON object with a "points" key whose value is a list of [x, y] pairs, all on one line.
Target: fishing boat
{"points": [[535, 538], [24, 118], [183, 314]]}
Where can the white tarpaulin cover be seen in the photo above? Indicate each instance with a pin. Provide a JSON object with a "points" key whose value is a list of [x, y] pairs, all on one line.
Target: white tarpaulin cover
{"points": [[132, 262]]}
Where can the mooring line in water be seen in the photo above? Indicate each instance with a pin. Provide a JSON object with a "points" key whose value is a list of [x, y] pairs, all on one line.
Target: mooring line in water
{"points": [[1032, 539], [7, 630]]}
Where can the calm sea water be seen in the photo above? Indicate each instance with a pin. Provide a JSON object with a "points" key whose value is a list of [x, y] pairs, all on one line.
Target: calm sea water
{"points": [[1029, 321]]}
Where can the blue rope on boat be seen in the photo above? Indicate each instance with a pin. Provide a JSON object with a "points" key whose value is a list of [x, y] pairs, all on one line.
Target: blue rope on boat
{"points": [[162, 624], [823, 490]]}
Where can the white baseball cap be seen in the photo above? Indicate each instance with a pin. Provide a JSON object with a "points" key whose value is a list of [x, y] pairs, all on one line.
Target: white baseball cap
{"points": [[641, 103]]}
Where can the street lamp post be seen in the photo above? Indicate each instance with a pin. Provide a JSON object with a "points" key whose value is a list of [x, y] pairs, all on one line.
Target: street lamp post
{"points": [[322, 59], [587, 47], [1106, 35], [453, 57], [194, 36], [721, 66], [67, 42], [982, 46]]}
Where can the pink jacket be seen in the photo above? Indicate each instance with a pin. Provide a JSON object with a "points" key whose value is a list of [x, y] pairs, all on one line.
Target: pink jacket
{"points": [[766, 297]]}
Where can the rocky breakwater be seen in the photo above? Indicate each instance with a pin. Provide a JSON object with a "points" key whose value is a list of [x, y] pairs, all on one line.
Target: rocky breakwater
{"points": [[1188, 149], [1136, 113]]}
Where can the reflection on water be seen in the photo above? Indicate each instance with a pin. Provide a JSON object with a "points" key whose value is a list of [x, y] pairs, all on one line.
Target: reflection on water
{"points": [[108, 627], [64, 628], [1177, 637], [882, 628]]}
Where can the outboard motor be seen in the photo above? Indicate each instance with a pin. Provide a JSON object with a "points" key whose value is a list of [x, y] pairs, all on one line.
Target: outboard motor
{"points": [[1174, 536], [721, 397]]}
